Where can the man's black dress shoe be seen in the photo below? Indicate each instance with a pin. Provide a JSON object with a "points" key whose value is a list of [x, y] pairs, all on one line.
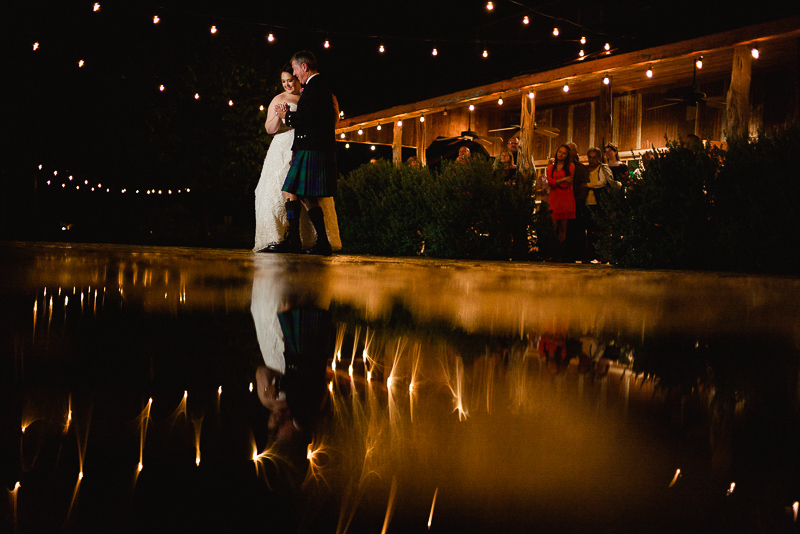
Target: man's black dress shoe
{"points": [[286, 246], [320, 249]]}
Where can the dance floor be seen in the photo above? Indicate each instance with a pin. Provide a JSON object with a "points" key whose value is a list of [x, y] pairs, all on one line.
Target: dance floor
{"points": [[150, 389]]}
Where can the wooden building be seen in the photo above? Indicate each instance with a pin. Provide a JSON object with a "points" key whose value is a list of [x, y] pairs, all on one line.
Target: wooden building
{"points": [[612, 99]]}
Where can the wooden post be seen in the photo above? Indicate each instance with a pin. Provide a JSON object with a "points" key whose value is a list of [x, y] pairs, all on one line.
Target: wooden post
{"points": [[397, 144], [604, 125], [738, 103], [421, 141], [527, 120]]}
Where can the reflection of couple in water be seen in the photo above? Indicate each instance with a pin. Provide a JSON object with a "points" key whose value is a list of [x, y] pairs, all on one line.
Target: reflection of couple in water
{"points": [[296, 337], [593, 356]]}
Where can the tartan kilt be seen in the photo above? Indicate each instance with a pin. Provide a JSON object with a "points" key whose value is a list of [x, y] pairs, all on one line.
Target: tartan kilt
{"points": [[313, 174]]}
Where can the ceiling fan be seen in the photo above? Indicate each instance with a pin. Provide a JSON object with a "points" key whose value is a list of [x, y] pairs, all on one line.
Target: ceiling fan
{"points": [[691, 97], [547, 131], [470, 135]]}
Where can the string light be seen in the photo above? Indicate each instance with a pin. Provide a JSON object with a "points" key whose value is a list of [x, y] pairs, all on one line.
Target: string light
{"points": [[342, 135], [485, 53], [754, 52], [471, 107], [379, 126], [581, 53], [347, 145], [400, 123], [583, 40], [381, 48], [699, 62], [261, 107], [606, 80], [197, 96], [421, 118], [96, 7], [434, 52], [270, 37], [531, 95], [649, 72], [526, 20], [360, 131], [555, 32], [80, 63], [565, 88], [372, 147], [161, 88], [326, 44], [230, 103], [607, 46], [489, 6], [35, 46], [500, 102], [156, 19], [213, 29]]}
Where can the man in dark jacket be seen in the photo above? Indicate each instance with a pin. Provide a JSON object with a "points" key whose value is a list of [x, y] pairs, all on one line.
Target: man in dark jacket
{"points": [[313, 173]]}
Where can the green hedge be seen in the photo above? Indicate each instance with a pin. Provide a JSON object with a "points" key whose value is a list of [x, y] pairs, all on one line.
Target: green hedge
{"points": [[705, 208], [460, 211]]}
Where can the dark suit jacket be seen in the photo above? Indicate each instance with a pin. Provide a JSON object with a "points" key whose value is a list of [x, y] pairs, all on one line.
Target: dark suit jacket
{"points": [[314, 121]]}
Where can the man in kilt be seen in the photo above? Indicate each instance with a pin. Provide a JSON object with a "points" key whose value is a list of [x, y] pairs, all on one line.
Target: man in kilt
{"points": [[313, 172]]}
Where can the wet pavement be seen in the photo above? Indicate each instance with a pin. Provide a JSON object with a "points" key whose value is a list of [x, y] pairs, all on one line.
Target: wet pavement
{"points": [[171, 389]]}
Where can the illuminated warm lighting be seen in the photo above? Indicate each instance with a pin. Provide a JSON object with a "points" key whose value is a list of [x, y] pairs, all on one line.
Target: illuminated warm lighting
{"points": [[219, 390], [489, 6], [430, 518], [197, 460], [261, 108], [379, 127], [213, 29], [185, 393], [422, 119], [531, 95], [360, 131], [606, 80], [369, 376], [251, 387], [96, 7], [347, 145], [327, 44], [255, 456], [270, 37], [341, 114], [36, 46], [754, 52], [485, 53], [80, 475], [699, 62], [581, 53], [140, 467], [795, 507], [381, 49], [499, 101], [471, 107], [526, 20], [675, 478], [80, 63], [566, 88], [156, 20], [372, 147], [555, 32], [733, 487], [17, 486], [230, 103], [607, 46], [649, 72], [330, 386], [434, 52], [23, 428], [583, 40], [400, 123], [197, 96], [341, 136]]}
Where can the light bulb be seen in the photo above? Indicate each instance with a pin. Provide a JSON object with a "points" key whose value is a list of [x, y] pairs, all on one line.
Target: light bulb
{"points": [[583, 40], [754, 52], [526, 20], [327, 44], [156, 20], [566, 88], [434, 52], [555, 32], [213, 29]]}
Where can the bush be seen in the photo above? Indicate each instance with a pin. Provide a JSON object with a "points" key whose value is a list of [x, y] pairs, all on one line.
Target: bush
{"points": [[462, 211]]}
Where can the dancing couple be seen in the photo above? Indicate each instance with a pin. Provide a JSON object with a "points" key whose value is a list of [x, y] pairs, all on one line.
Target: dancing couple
{"points": [[300, 164]]}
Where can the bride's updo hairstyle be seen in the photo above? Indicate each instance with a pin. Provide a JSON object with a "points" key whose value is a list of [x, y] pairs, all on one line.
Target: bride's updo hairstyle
{"points": [[288, 69], [307, 57]]}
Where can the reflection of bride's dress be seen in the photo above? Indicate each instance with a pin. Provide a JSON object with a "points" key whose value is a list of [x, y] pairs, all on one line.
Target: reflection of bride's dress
{"points": [[270, 210]]}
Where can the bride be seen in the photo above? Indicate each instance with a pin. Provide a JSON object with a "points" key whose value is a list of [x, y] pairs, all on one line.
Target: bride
{"points": [[270, 211]]}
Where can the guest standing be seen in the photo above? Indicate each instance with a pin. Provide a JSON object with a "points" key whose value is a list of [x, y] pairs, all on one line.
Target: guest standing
{"points": [[560, 175]]}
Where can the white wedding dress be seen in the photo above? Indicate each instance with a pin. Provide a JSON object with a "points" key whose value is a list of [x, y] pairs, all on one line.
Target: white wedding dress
{"points": [[270, 210]]}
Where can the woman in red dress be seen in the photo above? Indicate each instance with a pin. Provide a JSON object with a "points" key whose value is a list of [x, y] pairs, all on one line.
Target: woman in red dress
{"points": [[562, 199]]}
